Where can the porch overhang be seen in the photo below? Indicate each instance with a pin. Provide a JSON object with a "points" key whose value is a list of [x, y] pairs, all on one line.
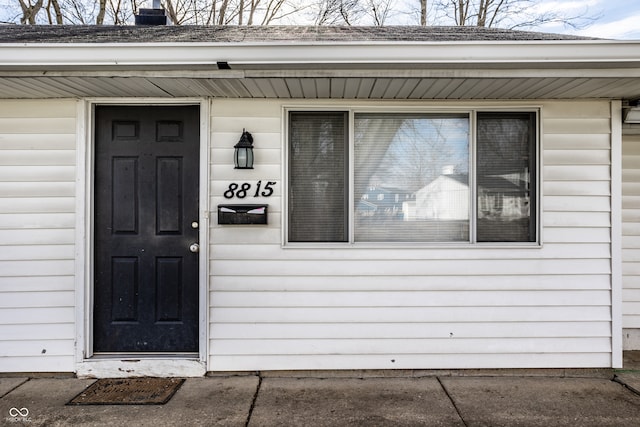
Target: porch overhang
{"points": [[558, 69]]}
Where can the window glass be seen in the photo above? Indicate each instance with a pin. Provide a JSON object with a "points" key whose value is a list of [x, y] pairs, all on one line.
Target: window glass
{"points": [[318, 190], [411, 178], [505, 171], [414, 178]]}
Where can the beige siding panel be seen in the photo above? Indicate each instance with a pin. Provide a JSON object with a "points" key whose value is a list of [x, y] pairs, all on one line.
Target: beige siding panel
{"points": [[37, 157], [392, 360], [570, 219], [576, 142], [27, 364], [66, 125], [37, 284], [54, 347], [630, 242], [586, 235], [442, 346], [37, 299], [576, 157], [576, 173], [563, 250], [55, 267], [631, 188], [37, 332], [631, 307], [36, 109], [411, 299], [422, 315], [631, 321], [236, 124], [631, 269], [564, 125], [585, 110], [577, 204], [577, 188], [37, 236], [630, 202], [409, 330], [421, 268], [49, 142], [36, 252], [631, 255], [37, 204], [227, 173], [410, 283], [36, 173], [36, 220], [37, 189], [276, 306], [631, 231], [630, 161]]}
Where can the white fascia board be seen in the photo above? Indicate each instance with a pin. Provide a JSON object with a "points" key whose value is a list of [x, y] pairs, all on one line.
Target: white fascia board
{"points": [[564, 54]]}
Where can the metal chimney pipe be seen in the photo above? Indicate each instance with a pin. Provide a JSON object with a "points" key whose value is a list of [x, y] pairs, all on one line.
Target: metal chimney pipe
{"points": [[154, 16]]}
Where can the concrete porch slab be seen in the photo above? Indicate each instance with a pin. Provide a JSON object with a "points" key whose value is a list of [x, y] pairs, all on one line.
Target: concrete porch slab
{"points": [[200, 401], [348, 401], [8, 384], [505, 401]]}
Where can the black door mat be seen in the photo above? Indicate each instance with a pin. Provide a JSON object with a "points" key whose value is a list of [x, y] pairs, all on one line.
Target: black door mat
{"points": [[128, 391]]}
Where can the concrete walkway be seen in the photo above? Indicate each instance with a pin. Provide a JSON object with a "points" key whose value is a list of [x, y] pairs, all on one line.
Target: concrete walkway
{"points": [[368, 398]]}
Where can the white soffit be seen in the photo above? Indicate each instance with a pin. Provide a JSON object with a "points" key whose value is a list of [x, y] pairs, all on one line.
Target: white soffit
{"points": [[556, 69]]}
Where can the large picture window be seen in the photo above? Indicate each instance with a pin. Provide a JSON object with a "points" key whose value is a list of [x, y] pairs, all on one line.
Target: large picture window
{"points": [[415, 177]]}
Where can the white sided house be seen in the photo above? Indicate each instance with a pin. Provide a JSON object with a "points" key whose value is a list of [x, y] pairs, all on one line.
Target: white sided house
{"points": [[420, 198]]}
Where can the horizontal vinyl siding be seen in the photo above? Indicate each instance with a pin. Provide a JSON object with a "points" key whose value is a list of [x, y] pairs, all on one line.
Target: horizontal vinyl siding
{"points": [[37, 220], [274, 307], [631, 231]]}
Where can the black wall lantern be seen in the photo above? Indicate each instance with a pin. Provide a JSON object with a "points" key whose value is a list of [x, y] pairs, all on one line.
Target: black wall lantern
{"points": [[243, 156]]}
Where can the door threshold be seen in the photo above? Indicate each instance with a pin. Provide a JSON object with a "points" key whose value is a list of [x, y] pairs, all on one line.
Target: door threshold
{"points": [[141, 365], [146, 355]]}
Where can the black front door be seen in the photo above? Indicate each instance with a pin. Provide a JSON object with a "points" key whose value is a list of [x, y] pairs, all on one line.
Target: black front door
{"points": [[146, 220]]}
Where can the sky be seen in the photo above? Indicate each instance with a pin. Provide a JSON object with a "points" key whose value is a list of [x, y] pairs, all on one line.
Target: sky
{"points": [[616, 19]]}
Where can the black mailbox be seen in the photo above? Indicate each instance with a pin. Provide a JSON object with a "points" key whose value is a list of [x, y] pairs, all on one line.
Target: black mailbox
{"points": [[242, 214]]}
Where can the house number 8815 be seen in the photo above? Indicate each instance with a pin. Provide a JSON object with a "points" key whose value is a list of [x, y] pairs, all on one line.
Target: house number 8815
{"points": [[243, 190]]}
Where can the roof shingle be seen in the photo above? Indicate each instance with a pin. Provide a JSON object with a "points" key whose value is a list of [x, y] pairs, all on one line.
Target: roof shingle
{"points": [[261, 34]]}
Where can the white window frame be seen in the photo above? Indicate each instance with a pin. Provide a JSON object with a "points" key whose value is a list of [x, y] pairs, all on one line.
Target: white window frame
{"points": [[391, 109]]}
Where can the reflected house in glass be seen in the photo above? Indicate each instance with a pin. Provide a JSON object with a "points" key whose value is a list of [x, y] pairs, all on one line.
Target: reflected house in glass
{"points": [[445, 198], [383, 202]]}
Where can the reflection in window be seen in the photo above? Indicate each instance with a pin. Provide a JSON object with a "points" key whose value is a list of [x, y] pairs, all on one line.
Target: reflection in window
{"points": [[318, 183], [505, 157], [411, 177], [414, 177]]}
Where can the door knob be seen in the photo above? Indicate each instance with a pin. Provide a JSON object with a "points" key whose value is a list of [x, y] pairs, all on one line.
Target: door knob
{"points": [[194, 247]]}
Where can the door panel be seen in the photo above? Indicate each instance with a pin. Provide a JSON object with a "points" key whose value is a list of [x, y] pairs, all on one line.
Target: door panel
{"points": [[146, 198]]}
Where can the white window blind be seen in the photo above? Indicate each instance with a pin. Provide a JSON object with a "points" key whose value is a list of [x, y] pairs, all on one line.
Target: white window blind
{"points": [[505, 170], [318, 187]]}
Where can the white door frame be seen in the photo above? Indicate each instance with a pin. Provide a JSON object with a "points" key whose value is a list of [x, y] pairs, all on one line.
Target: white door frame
{"points": [[87, 365]]}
